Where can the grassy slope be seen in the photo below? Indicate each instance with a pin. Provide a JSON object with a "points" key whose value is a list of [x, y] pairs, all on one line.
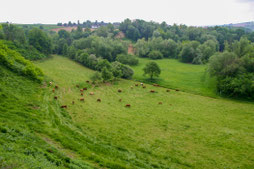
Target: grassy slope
{"points": [[174, 74], [186, 131]]}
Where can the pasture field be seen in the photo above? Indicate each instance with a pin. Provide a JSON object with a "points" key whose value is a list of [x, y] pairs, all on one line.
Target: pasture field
{"points": [[176, 75], [185, 131]]}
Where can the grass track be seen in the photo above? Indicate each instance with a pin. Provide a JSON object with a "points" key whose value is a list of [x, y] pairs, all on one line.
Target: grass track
{"points": [[186, 131]]}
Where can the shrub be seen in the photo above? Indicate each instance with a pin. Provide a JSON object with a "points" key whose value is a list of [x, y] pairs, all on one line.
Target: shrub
{"points": [[127, 59], [155, 55], [127, 72]]}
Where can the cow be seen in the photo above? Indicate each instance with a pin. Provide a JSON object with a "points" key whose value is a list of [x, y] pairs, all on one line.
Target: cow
{"points": [[141, 84], [156, 85], [119, 90], [55, 97], [50, 83], [64, 106], [77, 86], [87, 81], [91, 93], [177, 90], [84, 88], [98, 100], [136, 84], [120, 100], [144, 87], [82, 99], [152, 91], [73, 102], [81, 90], [82, 94], [127, 105], [131, 87], [167, 90], [53, 90], [56, 87], [160, 102]]}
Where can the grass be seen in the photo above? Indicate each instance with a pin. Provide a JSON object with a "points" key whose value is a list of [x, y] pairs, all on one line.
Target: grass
{"points": [[176, 75], [186, 131]]}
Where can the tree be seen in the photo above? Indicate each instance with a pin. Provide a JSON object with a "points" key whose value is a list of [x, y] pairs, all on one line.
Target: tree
{"points": [[106, 74], [152, 69], [96, 77], [155, 54]]}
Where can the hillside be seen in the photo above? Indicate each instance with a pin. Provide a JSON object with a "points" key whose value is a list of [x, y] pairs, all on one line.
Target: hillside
{"points": [[186, 131]]}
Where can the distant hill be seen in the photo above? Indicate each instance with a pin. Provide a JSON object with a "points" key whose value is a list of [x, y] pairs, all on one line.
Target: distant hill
{"points": [[247, 25]]}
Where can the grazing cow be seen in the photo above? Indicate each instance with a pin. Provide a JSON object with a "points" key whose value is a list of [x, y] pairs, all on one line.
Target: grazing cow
{"points": [[136, 84], [120, 100], [91, 93], [141, 84], [56, 87], [127, 105], [119, 90], [64, 106], [160, 102], [55, 97], [87, 81], [53, 90], [144, 87], [84, 88], [50, 83], [77, 86], [167, 90], [98, 100], [152, 91], [73, 102], [177, 90], [81, 90], [82, 94], [82, 99], [156, 85]]}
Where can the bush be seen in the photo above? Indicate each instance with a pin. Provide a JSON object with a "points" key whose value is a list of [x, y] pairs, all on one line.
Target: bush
{"points": [[127, 72], [106, 74], [15, 62], [155, 55], [127, 59], [96, 77]]}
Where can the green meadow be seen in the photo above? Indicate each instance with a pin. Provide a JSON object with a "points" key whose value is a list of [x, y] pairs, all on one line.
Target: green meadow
{"points": [[176, 75], [185, 131]]}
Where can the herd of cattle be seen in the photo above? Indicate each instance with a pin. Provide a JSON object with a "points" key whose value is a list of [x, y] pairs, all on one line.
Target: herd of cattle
{"points": [[82, 99]]}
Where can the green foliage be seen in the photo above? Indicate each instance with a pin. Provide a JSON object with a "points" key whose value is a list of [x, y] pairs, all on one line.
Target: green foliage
{"points": [[127, 59], [103, 63], [155, 54], [96, 77], [189, 51], [40, 40], [152, 69], [106, 74], [127, 72], [15, 62]]}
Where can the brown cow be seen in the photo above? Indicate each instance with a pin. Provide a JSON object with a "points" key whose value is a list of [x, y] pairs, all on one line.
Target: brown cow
{"points": [[53, 90], [136, 84], [73, 102], [156, 85], [120, 100], [84, 88], [81, 90], [167, 90], [160, 102], [98, 100], [177, 90], [119, 90], [152, 91], [144, 87], [77, 86], [87, 81], [82, 94], [64, 106], [56, 87], [91, 93], [82, 99], [127, 105], [55, 97]]}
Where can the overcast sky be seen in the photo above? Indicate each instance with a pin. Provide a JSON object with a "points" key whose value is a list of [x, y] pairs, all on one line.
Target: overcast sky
{"points": [[189, 12]]}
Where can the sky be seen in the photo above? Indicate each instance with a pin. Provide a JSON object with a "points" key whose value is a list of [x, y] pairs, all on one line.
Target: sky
{"points": [[189, 12]]}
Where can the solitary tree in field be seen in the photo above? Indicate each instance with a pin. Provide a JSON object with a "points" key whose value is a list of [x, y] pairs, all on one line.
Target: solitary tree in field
{"points": [[152, 69]]}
